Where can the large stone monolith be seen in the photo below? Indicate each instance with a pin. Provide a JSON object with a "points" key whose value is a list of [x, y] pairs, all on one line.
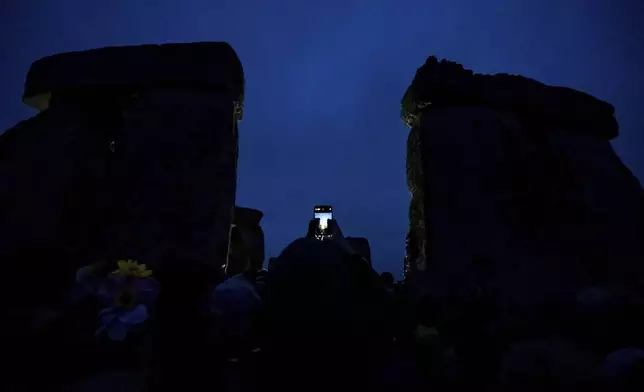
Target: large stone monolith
{"points": [[132, 156], [247, 242], [516, 190]]}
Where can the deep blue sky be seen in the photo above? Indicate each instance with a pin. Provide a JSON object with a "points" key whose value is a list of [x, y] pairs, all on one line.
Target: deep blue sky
{"points": [[325, 78]]}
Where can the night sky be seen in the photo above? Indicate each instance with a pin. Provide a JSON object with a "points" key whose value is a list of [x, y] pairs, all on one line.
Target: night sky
{"points": [[324, 81]]}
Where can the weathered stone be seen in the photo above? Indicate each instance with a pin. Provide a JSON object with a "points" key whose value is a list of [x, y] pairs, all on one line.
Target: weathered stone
{"points": [[205, 65], [247, 242], [448, 83], [516, 189], [415, 252], [133, 156], [247, 216]]}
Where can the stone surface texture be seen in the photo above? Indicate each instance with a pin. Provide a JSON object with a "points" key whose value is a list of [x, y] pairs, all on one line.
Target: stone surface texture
{"points": [[132, 156], [247, 241], [516, 189]]}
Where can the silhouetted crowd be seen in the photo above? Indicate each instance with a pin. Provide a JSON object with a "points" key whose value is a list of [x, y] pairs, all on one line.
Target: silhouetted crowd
{"points": [[321, 318]]}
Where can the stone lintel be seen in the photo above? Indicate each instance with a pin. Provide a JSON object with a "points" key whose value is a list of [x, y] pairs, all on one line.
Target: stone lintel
{"points": [[202, 65], [446, 83]]}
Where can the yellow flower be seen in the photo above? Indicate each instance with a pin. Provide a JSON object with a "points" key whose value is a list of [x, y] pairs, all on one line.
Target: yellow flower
{"points": [[132, 268]]}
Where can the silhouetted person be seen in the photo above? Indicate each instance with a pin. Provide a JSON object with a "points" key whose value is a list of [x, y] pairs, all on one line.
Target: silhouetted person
{"points": [[387, 279], [325, 314]]}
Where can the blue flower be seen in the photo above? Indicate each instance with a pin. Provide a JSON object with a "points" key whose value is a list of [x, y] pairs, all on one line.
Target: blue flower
{"points": [[124, 295], [117, 322], [121, 291], [88, 279]]}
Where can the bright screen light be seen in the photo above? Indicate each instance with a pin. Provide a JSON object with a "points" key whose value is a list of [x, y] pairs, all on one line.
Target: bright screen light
{"points": [[324, 218]]}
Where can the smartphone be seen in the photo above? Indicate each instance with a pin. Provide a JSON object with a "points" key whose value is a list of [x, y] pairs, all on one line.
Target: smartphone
{"points": [[323, 213]]}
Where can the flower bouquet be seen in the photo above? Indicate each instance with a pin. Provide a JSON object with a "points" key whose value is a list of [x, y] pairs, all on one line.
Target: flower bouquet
{"points": [[125, 295]]}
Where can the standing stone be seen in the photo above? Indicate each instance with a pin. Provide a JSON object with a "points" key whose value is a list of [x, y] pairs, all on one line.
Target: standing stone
{"points": [[516, 189], [132, 156], [246, 242]]}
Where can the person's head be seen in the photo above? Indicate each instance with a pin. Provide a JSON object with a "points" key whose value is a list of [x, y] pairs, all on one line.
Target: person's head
{"points": [[387, 278]]}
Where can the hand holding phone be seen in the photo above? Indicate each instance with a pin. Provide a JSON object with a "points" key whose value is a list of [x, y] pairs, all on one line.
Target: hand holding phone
{"points": [[324, 227]]}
